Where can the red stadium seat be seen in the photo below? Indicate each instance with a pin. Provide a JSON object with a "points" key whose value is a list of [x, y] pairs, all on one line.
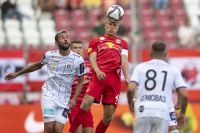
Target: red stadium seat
{"points": [[147, 13], [61, 13], [179, 20], [62, 24], [164, 13], [127, 19], [168, 35]]}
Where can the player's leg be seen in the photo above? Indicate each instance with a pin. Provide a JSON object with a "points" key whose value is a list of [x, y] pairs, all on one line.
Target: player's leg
{"points": [[93, 94], [88, 130], [58, 127], [79, 129], [49, 127], [87, 102], [110, 100], [60, 119], [71, 116], [48, 112], [159, 125], [88, 123], [108, 113], [142, 125]]}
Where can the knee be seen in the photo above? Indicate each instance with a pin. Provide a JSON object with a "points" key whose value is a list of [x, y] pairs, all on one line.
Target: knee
{"points": [[86, 104], [107, 119]]}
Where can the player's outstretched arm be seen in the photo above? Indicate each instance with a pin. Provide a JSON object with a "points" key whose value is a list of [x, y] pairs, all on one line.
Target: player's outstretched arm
{"points": [[131, 95], [31, 68]]}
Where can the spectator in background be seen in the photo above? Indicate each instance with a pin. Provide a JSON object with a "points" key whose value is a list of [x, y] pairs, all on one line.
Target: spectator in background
{"points": [[9, 10], [47, 5], [186, 34], [61, 4], [160, 4], [91, 3], [74, 4], [98, 29]]}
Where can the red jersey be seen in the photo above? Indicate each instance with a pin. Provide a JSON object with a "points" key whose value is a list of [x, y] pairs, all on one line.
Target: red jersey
{"points": [[109, 50], [87, 78]]}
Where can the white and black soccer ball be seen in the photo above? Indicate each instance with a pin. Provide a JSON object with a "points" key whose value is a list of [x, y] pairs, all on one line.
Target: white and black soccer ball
{"points": [[115, 13]]}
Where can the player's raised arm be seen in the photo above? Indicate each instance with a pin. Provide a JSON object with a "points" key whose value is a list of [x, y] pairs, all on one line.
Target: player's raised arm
{"points": [[124, 66], [31, 68]]}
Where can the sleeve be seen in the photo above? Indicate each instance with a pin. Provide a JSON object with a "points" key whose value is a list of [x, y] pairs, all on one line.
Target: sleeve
{"points": [[81, 68], [92, 46], [179, 81], [135, 76], [44, 59], [124, 48]]}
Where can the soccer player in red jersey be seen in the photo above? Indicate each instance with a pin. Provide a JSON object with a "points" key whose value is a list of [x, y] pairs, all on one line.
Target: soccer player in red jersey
{"points": [[108, 54], [87, 124]]}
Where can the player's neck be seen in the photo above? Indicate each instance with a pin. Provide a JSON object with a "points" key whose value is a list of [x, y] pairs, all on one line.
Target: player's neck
{"points": [[64, 52], [109, 35], [159, 58]]}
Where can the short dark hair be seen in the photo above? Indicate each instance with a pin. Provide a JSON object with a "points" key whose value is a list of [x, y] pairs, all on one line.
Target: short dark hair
{"points": [[76, 41], [58, 33], [158, 48]]}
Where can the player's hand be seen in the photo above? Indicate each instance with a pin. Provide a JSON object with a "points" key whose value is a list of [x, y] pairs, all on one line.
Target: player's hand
{"points": [[11, 76], [100, 75], [72, 103], [180, 120]]}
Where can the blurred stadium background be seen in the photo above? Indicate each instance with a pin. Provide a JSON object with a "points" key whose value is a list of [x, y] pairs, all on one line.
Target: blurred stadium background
{"points": [[27, 30]]}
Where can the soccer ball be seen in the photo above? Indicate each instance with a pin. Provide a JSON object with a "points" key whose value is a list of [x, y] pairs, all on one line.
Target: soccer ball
{"points": [[115, 13]]}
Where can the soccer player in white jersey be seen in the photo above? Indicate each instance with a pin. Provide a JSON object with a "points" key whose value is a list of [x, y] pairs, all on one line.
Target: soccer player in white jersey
{"points": [[62, 66], [151, 85]]}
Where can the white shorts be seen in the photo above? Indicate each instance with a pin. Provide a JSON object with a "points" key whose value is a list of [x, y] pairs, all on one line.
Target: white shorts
{"points": [[172, 117], [151, 125], [52, 111]]}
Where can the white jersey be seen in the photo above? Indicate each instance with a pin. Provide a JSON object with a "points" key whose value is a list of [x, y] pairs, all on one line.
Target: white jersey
{"points": [[155, 79], [61, 73]]}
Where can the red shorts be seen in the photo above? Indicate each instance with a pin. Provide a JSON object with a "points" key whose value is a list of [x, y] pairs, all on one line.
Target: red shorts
{"points": [[88, 119], [106, 90]]}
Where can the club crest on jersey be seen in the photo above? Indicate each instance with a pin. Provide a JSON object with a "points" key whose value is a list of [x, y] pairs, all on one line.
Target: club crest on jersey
{"points": [[102, 38], [110, 44], [118, 41], [53, 66]]}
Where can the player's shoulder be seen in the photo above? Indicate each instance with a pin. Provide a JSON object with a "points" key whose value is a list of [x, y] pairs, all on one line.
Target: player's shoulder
{"points": [[51, 53], [121, 41], [173, 68], [96, 39]]}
